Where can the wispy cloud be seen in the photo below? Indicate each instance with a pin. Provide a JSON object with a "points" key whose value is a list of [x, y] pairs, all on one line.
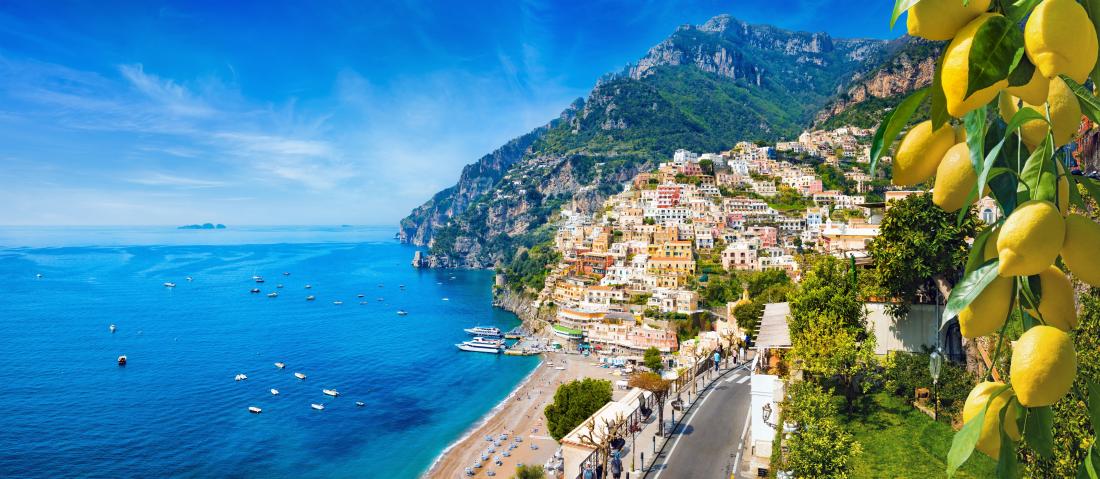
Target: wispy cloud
{"points": [[164, 179]]}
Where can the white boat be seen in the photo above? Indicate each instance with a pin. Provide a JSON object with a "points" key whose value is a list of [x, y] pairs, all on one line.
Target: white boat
{"points": [[286, 273], [122, 360], [112, 328], [364, 302], [310, 297], [240, 377], [402, 312], [39, 276], [381, 299], [299, 375], [360, 403], [254, 290], [331, 392], [254, 410], [254, 277], [360, 295], [446, 299], [319, 407], [272, 295], [190, 278], [482, 346], [488, 341], [308, 286], [274, 392], [484, 331], [258, 279], [169, 285], [337, 302], [280, 365], [278, 286]]}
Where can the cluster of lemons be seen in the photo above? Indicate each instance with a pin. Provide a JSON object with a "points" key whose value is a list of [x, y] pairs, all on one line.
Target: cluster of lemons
{"points": [[1059, 39]]}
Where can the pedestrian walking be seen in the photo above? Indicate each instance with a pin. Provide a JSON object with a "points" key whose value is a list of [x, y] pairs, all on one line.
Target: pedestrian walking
{"points": [[588, 472], [616, 467], [717, 360]]}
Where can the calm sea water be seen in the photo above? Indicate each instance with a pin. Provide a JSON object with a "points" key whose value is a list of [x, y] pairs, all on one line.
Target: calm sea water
{"points": [[67, 409]]}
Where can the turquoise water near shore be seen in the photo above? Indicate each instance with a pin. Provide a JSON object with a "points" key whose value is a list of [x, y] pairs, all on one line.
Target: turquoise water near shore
{"points": [[67, 410]]}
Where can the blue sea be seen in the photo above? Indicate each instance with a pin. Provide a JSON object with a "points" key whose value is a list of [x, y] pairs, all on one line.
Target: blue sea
{"points": [[68, 410]]}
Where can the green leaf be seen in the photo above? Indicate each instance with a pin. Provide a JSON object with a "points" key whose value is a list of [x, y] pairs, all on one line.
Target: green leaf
{"points": [[1030, 299], [1090, 105], [1033, 167], [974, 260], [1091, 187], [972, 284], [1074, 195], [1039, 431], [900, 7], [939, 115], [1090, 464], [1022, 72], [1019, 9], [974, 122], [997, 48], [893, 123], [1094, 404], [1006, 462]]}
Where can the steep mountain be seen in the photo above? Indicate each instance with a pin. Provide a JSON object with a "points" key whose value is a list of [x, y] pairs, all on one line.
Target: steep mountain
{"points": [[909, 66], [704, 88]]}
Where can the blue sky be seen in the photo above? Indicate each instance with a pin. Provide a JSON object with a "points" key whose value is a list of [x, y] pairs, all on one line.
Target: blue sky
{"points": [[293, 112]]}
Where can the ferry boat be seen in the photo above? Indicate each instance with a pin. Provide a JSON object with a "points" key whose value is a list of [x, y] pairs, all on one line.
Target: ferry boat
{"points": [[482, 345], [484, 331], [330, 392]]}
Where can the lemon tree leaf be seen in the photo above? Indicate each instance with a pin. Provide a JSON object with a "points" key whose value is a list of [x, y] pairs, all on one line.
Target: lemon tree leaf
{"points": [[938, 114], [1094, 404], [1091, 186], [1006, 462], [1089, 465], [893, 123], [972, 284], [1023, 71], [1019, 9], [1090, 105], [1033, 168], [974, 122], [1093, 9], [900, 7], [1039, 431], [974, 260], [996, 50]]}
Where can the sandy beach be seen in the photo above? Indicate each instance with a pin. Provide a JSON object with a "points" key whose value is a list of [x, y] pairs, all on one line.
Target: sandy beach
{"points": [[521, 414]]}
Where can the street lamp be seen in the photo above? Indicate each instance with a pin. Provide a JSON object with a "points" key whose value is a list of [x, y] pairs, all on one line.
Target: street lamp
{"points": [[935, 365]]}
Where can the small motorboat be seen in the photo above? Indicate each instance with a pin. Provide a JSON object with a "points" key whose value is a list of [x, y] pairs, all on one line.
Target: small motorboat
{"points": [[272, 295], [113, 328], [308, 286], [240, 377], [337, 302], [254, 290], [257, 279], [319, 407], [310, 297], [190, 279], [280, 365], [169, 285], [278, 286], [274, 392], [360, 403], [261, 280], [402, 312], [254, 410], [39, 276], [401, 286], [299, 375], [331, 392], [122, 360], [286, 273], [360, 295], [446, 299]]}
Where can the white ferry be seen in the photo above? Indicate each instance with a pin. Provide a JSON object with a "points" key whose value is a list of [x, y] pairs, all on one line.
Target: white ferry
{"points": [[482, 345], [484, 331]]}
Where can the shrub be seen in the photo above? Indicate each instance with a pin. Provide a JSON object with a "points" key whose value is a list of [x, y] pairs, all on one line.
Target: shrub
{"points": [[905, 372], [820, 446], [573, 403]]}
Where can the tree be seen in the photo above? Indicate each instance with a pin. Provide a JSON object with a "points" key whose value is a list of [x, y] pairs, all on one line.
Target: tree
{"points": [[573, 403], [919, 242], [822, 450], [652, 359], [660, 388], [529, 471]]}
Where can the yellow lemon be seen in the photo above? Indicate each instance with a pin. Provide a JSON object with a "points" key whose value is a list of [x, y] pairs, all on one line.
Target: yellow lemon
{"points": [[1043, 366], [960, 133], [1030, 238], [1056, 300], [1063, 189], [1081, 250], [955, 179], [1065, 116], [1059, 38], [989, 440], [940, 19], [1034, 91], [956, 69], [920, 152], [1007, 105], [988, 312], [990, 250]]}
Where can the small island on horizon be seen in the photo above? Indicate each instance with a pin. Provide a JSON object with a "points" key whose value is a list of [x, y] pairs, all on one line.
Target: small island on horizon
{"points": [[204, 226]]}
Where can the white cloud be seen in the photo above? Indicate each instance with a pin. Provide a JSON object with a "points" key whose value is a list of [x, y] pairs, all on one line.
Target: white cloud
{"points": [[164, 179]]}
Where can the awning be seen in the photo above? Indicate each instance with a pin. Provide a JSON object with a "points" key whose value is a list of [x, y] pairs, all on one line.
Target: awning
{"points": [[773, 327]]}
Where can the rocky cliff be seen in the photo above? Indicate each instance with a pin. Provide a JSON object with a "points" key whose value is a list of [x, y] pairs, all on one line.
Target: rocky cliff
{"points": [[704, 88]]}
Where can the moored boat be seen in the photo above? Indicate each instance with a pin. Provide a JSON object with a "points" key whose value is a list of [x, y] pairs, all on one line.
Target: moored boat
{"points": [[310, 297], [122, 360], [402, 312], [254, 410], [254, 290], [169, 285], [484, 331], [331, 392], [482, 345], [299, 375], [113, 328], [360, 403], [240, 377], [337, 302], [319, 407], [273, 295], [280, 365]]}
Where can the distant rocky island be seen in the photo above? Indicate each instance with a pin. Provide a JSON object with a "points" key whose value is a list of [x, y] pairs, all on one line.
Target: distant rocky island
{"points": [[204, 226]]}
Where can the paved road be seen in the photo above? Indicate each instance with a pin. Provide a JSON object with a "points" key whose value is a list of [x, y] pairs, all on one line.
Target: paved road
{"points": [[707, 443]]}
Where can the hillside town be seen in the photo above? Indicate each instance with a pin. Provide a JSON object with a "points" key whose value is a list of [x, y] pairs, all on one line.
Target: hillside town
{"points": [[640, 260]]}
